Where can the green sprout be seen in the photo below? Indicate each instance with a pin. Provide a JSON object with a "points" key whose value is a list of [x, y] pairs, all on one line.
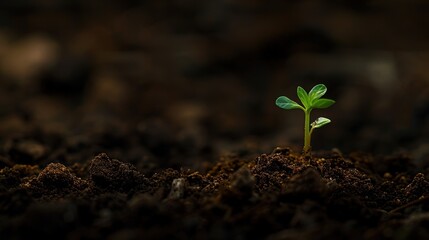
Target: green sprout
{"points": [[310, 101]]}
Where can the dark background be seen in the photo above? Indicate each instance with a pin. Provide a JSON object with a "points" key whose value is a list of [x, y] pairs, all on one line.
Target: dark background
{"points": [[146, 80]]}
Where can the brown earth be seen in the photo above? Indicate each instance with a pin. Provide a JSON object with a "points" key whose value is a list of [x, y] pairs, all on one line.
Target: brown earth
{"points": [[281, 195]]}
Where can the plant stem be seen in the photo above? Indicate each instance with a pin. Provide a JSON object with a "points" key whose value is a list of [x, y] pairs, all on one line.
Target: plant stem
{"points": [[307, 132]]}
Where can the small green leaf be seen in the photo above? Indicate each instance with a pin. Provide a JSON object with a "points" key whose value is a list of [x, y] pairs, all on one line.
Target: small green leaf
{"points": [[286, 103], [320, 122], [322, 103], [303, 96], [317, 92]]}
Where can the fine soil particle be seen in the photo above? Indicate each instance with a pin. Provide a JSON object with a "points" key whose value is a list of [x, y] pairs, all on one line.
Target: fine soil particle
{"points": [[112, 174], [281, 195]]}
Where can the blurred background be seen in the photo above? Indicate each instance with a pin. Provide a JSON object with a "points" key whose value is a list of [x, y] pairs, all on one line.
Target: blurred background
{"points": [[181, 82]]}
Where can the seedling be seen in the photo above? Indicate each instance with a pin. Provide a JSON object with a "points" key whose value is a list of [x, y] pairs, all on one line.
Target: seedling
{"points": [[310, 101]]}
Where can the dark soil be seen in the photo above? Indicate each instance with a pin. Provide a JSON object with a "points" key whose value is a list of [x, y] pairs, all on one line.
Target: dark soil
{"points": [[156, 120], [281, 195]]}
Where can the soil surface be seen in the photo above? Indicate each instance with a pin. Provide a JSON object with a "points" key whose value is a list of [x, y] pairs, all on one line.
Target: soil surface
{"points": [[156, 120], [280, 195]]}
